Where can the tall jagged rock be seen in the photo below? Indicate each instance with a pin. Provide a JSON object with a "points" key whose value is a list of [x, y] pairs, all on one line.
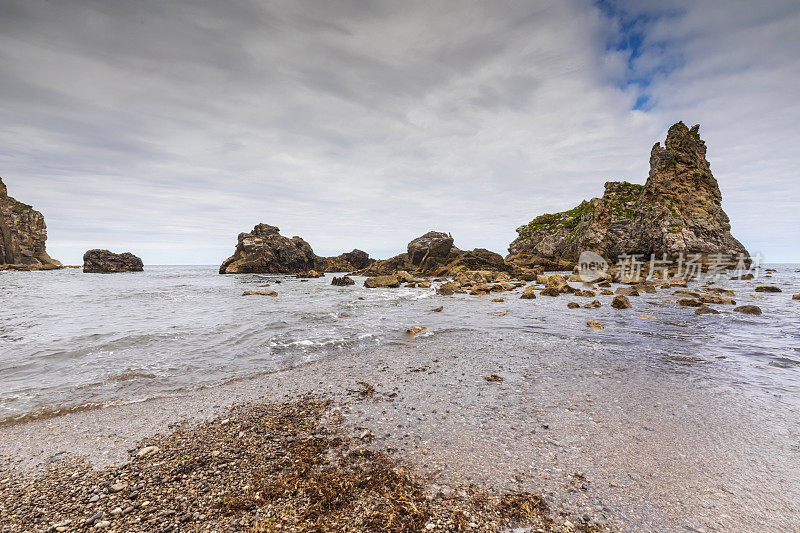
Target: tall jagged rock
{"points": [[680, 209], [677, 212], [23, 234]]}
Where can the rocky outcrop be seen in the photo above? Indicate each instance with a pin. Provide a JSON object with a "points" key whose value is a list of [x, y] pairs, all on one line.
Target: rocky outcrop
{"points": [[676, 212], [105, 262], [433, 245], [434, 254], [265, 251], [23, 234], [346, 262]]}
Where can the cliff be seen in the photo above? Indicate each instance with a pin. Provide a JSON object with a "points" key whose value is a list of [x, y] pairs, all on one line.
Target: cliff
{"points": [[676, 212], [23, 234]]}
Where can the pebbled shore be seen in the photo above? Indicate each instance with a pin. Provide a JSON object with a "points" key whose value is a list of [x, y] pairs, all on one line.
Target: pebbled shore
{"points": [[624, 444], [266, 467]]}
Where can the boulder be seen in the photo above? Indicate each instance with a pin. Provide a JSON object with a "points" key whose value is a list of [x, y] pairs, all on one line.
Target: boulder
{"points": [[432, 245], [105, 262], [627, 291], [620, 302], [381, 282], [592, 304], [447, 289], [342, 281], [748, 309], [705, 310], [259, 293], [23, 235], [768, 288], [550, 291], [716, 299]]}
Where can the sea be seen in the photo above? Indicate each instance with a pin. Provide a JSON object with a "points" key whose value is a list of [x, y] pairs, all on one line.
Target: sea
{"points": [[71, 340]]}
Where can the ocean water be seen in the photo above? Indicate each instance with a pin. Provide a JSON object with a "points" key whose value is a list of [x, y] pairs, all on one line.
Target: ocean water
{"points": [[70, 340]]}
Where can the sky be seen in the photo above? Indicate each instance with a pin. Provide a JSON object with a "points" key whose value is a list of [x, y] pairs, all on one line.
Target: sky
{"points": [[167, 128]]}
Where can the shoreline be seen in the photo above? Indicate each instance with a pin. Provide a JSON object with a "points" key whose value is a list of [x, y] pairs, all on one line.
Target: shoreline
{"points": [[595, 438]]}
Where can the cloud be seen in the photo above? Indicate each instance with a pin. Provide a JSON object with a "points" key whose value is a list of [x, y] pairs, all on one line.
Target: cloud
{"points": [[168, 128]]}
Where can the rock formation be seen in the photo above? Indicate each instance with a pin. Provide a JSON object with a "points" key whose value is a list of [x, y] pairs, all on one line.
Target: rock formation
{"points": [[432, 245], [22, 236], [266, 251], [105, 262], [676, 212]]}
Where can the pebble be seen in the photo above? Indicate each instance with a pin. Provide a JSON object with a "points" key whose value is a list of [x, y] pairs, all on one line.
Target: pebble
{"points": [[116, 487], [148, 450], [94, 518], [104, 523], [94, 498]]}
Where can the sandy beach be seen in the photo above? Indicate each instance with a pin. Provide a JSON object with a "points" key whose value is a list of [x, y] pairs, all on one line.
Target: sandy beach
{"points": [[620, 448]]}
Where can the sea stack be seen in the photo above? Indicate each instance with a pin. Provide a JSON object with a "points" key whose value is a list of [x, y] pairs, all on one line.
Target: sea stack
{"points": [[265, 251], [23, 234], [105, 262], [677, 212]]}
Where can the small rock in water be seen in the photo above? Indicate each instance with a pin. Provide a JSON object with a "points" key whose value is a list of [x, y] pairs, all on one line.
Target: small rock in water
{"points": [[689, 302], [573, 305], [498, 300], [493, 377], [259, 293], [705, 310], [594, 324], [438, 309], [646, 316], [768, 288], [748, 309], [621, 302], [796, 297], [501, 313], [415, 330], [343, 281], [593, 303]]}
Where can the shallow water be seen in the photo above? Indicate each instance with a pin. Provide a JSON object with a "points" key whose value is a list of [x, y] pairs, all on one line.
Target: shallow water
{"points": [[69, 340]]}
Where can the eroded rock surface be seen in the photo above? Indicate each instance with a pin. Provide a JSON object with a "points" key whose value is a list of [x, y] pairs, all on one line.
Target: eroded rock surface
{"points": [[105, 262], [23, 234], [676, 212]]}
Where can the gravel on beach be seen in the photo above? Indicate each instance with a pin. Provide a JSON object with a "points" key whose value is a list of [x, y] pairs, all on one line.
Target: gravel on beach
{"points": [[281, 466]]}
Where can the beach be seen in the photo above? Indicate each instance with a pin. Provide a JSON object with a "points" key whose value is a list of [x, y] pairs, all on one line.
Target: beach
{"points": [[628, 448]]}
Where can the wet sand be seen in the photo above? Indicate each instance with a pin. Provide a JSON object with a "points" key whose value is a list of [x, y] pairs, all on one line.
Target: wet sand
{"points": [[636, 444]]}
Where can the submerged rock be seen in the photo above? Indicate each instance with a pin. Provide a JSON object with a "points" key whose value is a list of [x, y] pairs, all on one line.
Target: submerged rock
{"points": [[748, 309], [768, 288], [23, 234], [105, 262], [677, 211], [705, 310]]}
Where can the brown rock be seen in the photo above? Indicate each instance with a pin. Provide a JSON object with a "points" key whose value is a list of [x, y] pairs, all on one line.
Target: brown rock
{"points": [[748, 309], [716, 299], [343, 281], [705, 310], [438, 309], [689, 302], [620, 302], [768, 288], [573, 305], [416, 330], [594, 324], [265, 250], [627, 291], [310, 274], [382, 282], [105, 262], [259, 293], [23, 235], [592, 304]]}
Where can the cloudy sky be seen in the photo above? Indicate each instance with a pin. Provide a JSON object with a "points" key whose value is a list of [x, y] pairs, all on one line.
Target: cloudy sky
{"points": [[166, 128]]}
